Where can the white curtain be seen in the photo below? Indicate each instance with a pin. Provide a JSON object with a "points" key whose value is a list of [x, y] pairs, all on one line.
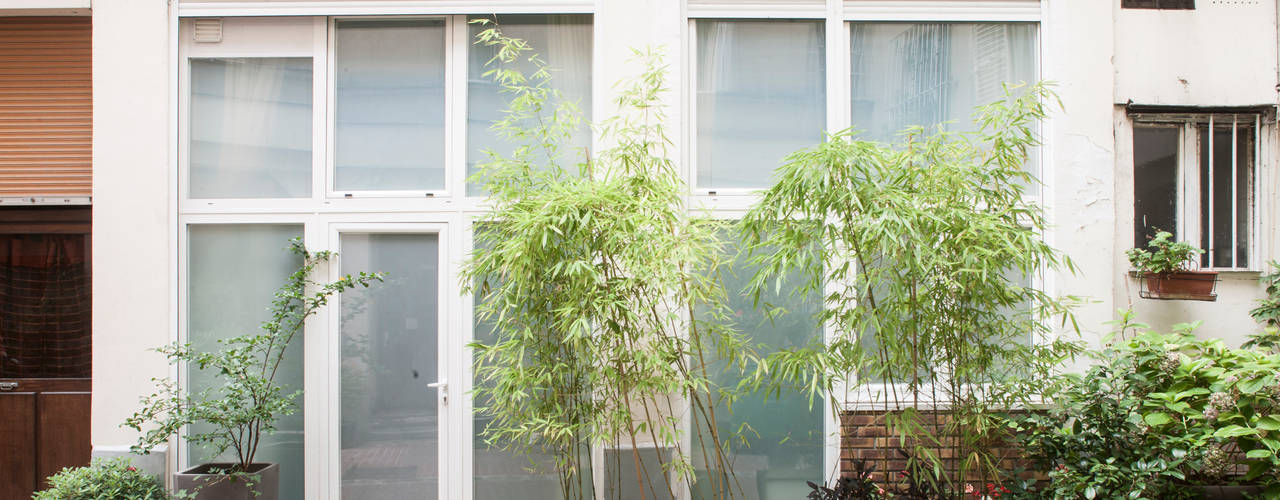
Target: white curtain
{"points": [[761, 95], [389, 122], [907, 74], [250, 128], [564, 42]]}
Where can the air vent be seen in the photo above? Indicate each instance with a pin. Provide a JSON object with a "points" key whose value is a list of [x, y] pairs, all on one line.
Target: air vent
{"points": [[208, 31]]}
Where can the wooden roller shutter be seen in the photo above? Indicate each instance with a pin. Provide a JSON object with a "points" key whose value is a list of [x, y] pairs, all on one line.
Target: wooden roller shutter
{"points": [[46, 103]]}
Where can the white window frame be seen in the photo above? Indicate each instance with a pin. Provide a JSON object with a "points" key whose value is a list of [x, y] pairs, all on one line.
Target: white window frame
{"points": [[1190, 214], [449, 367], [454, 123], [838, 15], [326, 214]]}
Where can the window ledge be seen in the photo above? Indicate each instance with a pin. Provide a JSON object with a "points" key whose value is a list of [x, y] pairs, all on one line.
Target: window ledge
{"points": [[1223, 274]]}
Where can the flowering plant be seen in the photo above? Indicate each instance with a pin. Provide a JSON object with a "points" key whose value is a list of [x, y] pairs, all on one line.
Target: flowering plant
{"points": [[1158, 411]]}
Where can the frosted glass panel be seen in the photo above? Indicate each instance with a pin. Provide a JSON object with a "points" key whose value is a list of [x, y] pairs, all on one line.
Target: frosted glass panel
{"points": [[250, 128], [390, 338], [906, 74], [501, 474], [564, 42], [234, 271], [761, 96], [785, 447], [389, 86]]}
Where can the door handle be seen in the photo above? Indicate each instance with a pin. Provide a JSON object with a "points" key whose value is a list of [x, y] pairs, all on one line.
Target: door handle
{"points": [[443, 385], [8, 386]]}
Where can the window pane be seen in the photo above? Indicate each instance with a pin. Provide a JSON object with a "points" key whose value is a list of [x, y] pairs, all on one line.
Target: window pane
{"points": [[786, 440], [501, 474], [906, 74], [44, 306], [1155, 182], [234, 271], [389, 87], [390, 417], [564, 43], [761, 96], [1216, 215], [250, 128], [621, 482]]}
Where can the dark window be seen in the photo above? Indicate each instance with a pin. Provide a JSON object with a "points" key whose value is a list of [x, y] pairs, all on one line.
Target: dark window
{"points": [[44, 293], [1155, 182], [1158, 4], [1227, 220]]}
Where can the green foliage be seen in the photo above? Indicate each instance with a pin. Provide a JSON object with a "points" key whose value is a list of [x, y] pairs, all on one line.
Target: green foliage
{"points": [[923, 251], [589, 277], [1159, 411], [1268, 313], [855, 484], [244, 407], [104, 479], [1164, 256]]}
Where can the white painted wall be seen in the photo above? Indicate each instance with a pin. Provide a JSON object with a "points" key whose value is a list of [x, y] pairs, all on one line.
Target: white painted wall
{"points": [[1081, 190], [1220, 54], [133, 237]]}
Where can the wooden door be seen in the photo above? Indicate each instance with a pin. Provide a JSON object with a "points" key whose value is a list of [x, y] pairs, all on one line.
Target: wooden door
{"points": [[45, 345]]}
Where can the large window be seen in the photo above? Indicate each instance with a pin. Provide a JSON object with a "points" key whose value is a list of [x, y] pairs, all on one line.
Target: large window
{"points": [[233, 271], [564, 43], [1195, 176], [390, 105], [928, 74], [761, 94], [250, 128], [355, 133]]}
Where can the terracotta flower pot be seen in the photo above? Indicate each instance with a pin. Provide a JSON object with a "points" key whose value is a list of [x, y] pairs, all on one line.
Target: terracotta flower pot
{"points": [[1181, 284], [210, 485]]}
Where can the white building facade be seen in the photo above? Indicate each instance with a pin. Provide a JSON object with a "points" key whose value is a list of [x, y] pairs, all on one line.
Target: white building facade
{"points": [[224, 128]]}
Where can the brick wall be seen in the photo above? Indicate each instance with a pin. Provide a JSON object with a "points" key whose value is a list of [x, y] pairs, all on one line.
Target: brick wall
{"points": [[864, 436]]}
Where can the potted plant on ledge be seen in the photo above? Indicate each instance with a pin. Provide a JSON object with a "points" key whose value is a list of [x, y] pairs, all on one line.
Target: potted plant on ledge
{"points": [[238, 412], [1165, 270]]}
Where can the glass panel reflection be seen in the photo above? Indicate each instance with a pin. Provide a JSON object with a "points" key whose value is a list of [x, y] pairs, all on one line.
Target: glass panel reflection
{"points": [[250, 128], [390, 418]]}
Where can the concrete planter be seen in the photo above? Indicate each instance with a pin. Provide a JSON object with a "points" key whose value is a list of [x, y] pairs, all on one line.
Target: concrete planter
{"points": [[208, 485]]}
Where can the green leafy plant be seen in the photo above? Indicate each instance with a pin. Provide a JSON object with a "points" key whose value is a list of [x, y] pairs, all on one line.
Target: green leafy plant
{"points": [[857, 484], [243, 408], [1164, 255], [1268, 313], [926, 252], [103, 479], [1159, 411], [598, 287]]}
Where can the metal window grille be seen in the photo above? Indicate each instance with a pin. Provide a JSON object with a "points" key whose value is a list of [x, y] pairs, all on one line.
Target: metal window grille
{"points": [[1229, 248]]}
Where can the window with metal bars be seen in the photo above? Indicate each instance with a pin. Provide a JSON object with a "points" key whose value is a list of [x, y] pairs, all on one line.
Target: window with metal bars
{"points": [[1194, 176], [1159, 4]]}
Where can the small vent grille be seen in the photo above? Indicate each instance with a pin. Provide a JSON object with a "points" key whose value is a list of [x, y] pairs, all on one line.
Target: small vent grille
{"points": [[208, 31]]}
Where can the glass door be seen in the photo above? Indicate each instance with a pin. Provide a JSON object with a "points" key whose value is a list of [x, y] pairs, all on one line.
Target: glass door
{"points": [[393, 390]]}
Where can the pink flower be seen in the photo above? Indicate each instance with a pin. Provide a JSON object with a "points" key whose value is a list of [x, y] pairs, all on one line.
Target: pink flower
{"points": [[132, 469], [968, 488]]}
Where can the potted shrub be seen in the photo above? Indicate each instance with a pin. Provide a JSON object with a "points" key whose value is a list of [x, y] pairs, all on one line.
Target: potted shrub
{"points": [[104, 478], [242, 409], [1166, 270]]}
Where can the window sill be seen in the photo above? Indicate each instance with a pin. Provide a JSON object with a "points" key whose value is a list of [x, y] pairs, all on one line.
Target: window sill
{"points": [[1223, 274]]}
